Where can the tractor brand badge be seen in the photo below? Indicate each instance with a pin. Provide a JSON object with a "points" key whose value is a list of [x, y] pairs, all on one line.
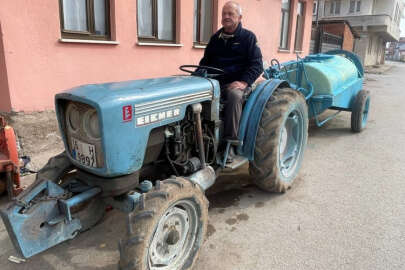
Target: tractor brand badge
{"points": [[156, 117], [127, 113]]}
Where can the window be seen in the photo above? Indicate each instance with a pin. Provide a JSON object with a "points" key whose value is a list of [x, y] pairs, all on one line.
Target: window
{"points": [[352, 6], [355, 6], [157, 20], [203, 13], [358, 7], [299, 30], [315, 8], [334, 7], [285, 23], [85, 19]]}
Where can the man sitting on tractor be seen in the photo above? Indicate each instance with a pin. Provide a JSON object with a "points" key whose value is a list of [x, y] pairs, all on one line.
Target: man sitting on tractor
{"points": [[234, 50]]}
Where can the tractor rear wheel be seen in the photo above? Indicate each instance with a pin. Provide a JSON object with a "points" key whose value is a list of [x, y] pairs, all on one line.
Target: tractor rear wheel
{"points": [[360, 111], [167, 229], [280, 141]]}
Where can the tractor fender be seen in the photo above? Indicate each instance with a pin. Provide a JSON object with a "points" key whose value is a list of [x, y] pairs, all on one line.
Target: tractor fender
{"points": [[252, 113]]}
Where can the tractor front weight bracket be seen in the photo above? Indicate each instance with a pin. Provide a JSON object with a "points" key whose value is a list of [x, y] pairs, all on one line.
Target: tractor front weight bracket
{"points": [[40, 217]]}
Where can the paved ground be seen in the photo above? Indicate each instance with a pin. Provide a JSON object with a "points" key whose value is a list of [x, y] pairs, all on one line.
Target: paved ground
{"points": [[346, 210]]}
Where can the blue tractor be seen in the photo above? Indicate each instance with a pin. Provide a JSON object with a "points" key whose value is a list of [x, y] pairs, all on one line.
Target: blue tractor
{"points": [[152, 147]]}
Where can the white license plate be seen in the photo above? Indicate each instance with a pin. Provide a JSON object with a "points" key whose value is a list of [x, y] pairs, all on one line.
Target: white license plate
{"points": [[84, 153]]}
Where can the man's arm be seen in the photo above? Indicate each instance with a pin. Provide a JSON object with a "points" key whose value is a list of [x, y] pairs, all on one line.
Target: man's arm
{"points": [[255, 64]]}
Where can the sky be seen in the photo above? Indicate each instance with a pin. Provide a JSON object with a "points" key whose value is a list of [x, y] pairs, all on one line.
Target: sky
{"points": [[403, 27], [403, 24]]}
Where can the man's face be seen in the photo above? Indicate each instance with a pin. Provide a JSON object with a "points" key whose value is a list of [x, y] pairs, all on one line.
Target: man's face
{"points": [[230, 17]]}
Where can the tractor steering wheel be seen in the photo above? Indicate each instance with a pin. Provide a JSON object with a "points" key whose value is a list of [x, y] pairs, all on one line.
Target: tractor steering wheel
{"points": [[202, 71]]}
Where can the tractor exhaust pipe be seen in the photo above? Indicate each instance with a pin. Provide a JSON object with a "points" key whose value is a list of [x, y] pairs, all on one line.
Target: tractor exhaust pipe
{"points": [[205, 178], [197, 108]]}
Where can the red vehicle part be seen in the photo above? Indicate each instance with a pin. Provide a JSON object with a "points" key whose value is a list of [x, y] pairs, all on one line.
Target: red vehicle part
{"points": [[9, 169]]}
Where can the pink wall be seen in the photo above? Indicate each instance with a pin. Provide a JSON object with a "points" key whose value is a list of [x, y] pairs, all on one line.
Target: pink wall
{"points": [[5, 102], [38, 65]]}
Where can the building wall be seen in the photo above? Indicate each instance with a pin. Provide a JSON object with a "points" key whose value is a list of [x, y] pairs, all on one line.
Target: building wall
{"points": [[39, 65], [385, 7], [375, 31], [370, 48], [368, 7], [341, 29], [5, 101], [348, 40]]}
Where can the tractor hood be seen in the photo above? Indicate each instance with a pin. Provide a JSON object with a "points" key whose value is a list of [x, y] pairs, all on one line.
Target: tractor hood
{"points": [[139, 91], [127, 112]]}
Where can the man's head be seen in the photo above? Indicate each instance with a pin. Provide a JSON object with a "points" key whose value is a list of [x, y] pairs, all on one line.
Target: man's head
{"points": [[231, 16]]}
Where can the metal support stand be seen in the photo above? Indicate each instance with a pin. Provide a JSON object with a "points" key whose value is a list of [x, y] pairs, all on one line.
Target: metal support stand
{"points": [[10, 185]]}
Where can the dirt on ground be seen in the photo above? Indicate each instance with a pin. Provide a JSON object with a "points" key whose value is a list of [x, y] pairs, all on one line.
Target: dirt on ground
{"points": [[37, 134]]}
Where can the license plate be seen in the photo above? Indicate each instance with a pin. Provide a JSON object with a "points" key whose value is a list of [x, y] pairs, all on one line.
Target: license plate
{"points": [[84, 153]]}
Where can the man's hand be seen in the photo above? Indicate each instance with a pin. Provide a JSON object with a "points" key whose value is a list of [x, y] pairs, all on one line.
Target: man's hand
{"points": [[238, 85]]}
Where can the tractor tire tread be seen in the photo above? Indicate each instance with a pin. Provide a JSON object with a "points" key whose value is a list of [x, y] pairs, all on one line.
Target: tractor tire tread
{"points": [[174, 182], [263, 168], [142, 214], [143, 222], [357, 111]]}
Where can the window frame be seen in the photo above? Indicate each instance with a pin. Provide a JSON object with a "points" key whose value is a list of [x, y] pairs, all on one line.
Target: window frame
{"points": [[358, 6], [288, 37], [154, 38], [352, 4], [90, 19], [197, 39], [334, 4], [315, 8], [302, 19]]}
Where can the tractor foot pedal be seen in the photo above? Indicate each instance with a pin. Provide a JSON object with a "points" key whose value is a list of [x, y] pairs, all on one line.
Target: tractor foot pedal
{"points": [[237, 162]]}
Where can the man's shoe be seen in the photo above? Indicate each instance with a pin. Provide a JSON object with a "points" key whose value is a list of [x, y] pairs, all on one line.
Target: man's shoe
{"points": [[231, 155]]}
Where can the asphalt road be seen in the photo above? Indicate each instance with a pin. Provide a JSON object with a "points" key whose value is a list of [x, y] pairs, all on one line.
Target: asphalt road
{"points": [[345, 211]]}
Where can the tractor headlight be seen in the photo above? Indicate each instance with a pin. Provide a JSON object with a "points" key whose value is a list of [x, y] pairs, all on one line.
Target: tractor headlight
{"points": [[91, 124], [72, 117]]}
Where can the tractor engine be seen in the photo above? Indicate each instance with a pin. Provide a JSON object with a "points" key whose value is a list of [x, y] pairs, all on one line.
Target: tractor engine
{"points": [[181, 145]]}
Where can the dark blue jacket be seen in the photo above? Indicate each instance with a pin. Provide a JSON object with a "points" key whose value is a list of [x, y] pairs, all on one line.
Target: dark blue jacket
{"points": [[239, 56]]}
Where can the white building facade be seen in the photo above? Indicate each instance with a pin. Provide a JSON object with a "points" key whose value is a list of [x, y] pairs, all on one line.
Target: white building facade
{"points": [[375, 21]]}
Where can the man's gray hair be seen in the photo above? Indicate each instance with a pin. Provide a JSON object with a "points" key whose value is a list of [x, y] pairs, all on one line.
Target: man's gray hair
{"points": [[236, 5]]}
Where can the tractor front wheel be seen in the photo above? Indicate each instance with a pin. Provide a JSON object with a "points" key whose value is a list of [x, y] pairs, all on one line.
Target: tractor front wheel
{"points": [[167, 229], [280, 141]]}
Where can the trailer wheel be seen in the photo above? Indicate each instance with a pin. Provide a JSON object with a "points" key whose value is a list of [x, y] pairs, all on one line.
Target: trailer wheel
{"points": [[280, 141], [360, 111], [167, 228]]}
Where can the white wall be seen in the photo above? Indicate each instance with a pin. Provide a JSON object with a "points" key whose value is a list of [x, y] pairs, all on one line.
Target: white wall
{"points": [[368, 7], [385, 7]]}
